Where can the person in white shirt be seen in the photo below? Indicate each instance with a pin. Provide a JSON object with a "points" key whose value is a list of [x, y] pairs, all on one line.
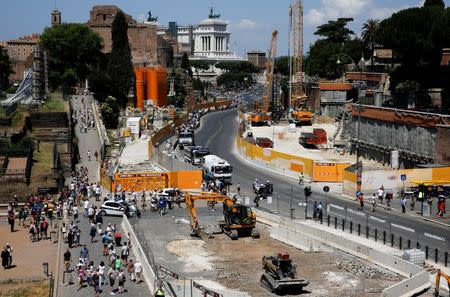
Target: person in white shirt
{"points": [[138, 272], [86, 207], [380, 194], [101, 273]]}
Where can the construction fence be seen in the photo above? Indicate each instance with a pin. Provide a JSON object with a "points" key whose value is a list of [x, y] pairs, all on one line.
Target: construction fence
{"points": [[313, 170], [392, 180]]}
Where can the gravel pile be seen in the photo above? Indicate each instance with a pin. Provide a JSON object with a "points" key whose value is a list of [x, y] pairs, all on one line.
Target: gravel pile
{"points": [[363, 270]]}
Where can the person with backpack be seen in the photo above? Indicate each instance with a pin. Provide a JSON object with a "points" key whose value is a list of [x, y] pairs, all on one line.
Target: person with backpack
{"points": [[122, 280], [112, 274]]}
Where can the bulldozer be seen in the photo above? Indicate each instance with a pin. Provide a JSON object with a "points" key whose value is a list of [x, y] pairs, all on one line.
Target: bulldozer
{"points": [[239, 220], [280, 275]]}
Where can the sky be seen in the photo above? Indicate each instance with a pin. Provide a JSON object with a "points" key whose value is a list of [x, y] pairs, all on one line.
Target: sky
{"points": [[250, 21]]}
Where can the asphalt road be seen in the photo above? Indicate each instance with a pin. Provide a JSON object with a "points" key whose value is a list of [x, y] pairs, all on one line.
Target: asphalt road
{"points": [[218, 132]]}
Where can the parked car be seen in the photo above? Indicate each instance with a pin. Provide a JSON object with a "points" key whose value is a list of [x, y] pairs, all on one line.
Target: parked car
{"points": [[116, 208]]}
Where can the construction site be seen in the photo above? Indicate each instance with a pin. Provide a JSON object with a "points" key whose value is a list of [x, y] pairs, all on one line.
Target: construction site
{"points": [[234, 267]]}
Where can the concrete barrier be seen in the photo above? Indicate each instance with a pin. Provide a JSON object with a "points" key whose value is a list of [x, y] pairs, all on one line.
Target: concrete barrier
{"points": [[417, 279], [148, 273], [185, 288], [294, 239]]}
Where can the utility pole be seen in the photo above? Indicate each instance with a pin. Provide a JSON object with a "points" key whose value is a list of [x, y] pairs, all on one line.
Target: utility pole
{"points": [[290, 59]]}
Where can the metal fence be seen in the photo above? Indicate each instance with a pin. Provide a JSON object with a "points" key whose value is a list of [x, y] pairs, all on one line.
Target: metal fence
{"points": [[375, 225], [170, 162]]}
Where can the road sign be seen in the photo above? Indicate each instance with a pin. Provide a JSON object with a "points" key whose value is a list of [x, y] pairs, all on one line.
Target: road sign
{"points": [[403, 176], [326, 189], [247, 200]]}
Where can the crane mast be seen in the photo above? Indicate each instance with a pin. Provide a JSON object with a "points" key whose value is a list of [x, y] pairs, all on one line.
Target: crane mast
{"points": [[297, 15], [270, 65]]}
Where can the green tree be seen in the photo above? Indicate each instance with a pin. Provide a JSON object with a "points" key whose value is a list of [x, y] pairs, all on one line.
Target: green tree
{"points": [[185, 64], [110, 112], [100, 84], [70, 46], [282, 65], [120, 66], [406, 92], [324, 53], [5, 68], [237, 66], [438, 3], [368, 35], [336, 31], [69, 80]]}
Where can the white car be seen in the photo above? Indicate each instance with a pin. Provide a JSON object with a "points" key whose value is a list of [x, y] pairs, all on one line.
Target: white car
{"points": [[113, 208]]}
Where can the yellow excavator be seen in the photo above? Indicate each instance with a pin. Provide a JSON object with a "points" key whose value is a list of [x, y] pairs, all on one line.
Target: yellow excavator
{"points": [[440, 274], [239, 220], [261, 115]]}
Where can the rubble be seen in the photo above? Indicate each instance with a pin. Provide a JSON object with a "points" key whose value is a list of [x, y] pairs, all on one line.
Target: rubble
{"points": [[360, 269]]}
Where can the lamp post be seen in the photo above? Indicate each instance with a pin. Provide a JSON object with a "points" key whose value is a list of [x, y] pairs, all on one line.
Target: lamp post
{"points": [[359, 108]]}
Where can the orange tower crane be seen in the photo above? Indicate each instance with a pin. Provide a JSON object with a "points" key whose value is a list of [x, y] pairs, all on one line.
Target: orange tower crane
{"points": [[300, 115], [262, 116]]}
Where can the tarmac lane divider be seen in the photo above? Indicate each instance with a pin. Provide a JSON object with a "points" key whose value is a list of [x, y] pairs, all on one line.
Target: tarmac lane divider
{"points": [[403, 228], [435, 237]]}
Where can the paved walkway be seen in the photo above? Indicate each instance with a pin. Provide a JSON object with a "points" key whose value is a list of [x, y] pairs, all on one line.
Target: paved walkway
{"points": [[27, 256], [90, 141]]}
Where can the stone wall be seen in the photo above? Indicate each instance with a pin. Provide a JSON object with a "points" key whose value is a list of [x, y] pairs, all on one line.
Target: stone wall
{"points": [[141, 37]]}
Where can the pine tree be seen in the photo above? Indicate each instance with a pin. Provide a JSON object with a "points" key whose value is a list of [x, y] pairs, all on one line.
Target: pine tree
{"points": [[120, 66]]}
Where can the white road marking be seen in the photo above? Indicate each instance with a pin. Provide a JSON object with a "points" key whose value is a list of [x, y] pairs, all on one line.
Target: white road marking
{"points": [[336, 206], [357, 213], [434, 236], [403, 227], [377, 219]]}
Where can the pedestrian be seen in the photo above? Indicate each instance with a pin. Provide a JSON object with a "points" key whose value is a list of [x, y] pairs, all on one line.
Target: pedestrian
{"points": [[10, 254], [44, 228], [162, 205], [374, 203], [122, 280], [96, 282], [5, 257], [239, 189], [361, 201], [380, 194], [138, 272], [101, 273], [63, 232], [89, 155], [320, 211], [403, 203], [96, 155], [75, 213], [112, 274], [70, 238], [11, 219], [124, 253], [84, 254], [93, 231], [388, 200], [67, 258], [118, 238], [86, 207], [130, 270]]}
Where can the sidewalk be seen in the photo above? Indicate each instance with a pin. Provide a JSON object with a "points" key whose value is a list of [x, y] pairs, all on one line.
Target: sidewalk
{"points": [[90, 141], [27, 256]]}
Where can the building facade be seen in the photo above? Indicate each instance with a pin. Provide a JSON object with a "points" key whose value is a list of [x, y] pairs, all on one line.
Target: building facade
{"points": [[257, 58], [207, 41], [20, 51], [141, 36]]}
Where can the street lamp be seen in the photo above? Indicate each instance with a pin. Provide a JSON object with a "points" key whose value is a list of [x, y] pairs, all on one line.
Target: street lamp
{"points": [[359, 108]]}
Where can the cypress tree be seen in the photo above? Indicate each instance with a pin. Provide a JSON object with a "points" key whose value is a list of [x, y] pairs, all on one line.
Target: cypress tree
{"points": [[120, 66]]}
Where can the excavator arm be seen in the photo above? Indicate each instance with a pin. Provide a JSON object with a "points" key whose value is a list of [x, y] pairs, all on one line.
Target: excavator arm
{"points": [[202, 196], [440, 274]]}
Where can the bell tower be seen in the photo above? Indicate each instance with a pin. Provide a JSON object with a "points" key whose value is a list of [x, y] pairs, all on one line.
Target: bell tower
{"points": [[56, 17]]}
